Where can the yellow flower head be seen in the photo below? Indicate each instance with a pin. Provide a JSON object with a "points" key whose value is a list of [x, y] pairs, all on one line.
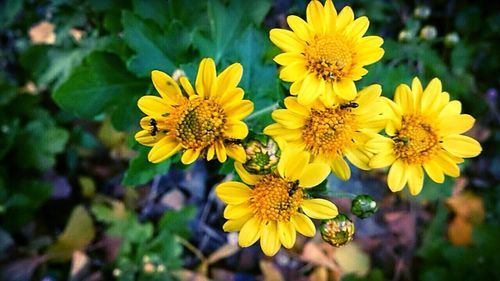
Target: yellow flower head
{"points": [[328, 133], [424, 133], [326, 54], [275, 206], [204, 120]]}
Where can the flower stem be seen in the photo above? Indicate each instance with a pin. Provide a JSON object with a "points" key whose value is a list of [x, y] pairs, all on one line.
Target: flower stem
{"points": [[341, 194], [262, 111]]}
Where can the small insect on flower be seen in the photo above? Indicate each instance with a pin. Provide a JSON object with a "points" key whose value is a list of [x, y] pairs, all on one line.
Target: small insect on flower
{"points": [[293, 188], [154, 128], [350, 104]]}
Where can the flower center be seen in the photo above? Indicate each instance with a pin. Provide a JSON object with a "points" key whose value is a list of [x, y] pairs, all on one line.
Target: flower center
{"points": [[329, 131], [329, 57], [198, 123], [417, 141], [275, 199]]}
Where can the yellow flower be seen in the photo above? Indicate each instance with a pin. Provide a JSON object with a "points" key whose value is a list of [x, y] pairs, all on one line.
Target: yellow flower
{"points": [[326, 54], [204, 120], [328, 133], [424, 133], [275, 206]]}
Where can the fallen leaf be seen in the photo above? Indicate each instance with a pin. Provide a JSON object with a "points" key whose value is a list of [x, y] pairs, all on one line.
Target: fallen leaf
{"points": [[467, 205], [42, 33], [460, 231], [77, 234], [188, 275], [225, 251], [270, 272], [314, 254], [351, 259], [320, 273]]}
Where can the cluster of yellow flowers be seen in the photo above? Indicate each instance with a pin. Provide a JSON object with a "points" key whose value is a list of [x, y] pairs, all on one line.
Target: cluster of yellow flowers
{"points": [[325, 122]]}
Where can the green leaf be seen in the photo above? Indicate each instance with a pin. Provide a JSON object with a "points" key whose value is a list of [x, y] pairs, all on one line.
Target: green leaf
{"points": [[9, 9], [77, 234], [226, 29], [156, 10], [147, 40], [141, 170], [95, 85], [177, 221]]}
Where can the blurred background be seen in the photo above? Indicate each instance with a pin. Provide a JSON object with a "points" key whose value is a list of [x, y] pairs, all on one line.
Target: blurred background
{"points": [[79, 201]]}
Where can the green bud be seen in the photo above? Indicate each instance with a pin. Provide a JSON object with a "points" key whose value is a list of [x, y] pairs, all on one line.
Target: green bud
{"points": [[422, 12], [451, 39], [363, 206], [263, 155], [428, 32], [405, 36], [337, 231]]}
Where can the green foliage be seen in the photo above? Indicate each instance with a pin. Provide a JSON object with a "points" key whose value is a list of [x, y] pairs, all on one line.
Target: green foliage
{"points": [[141, 170], [144, 249]]}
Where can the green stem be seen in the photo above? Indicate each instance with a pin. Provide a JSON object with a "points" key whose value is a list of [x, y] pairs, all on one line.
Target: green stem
{"points": [[341, 194], [262, 111]]}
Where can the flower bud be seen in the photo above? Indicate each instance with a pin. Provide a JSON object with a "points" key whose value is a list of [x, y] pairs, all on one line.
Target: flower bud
{"points": [[405, 36], [451, 39], [422, 12], [363, 206], [428, 32], [337, 231], [263, 155]]}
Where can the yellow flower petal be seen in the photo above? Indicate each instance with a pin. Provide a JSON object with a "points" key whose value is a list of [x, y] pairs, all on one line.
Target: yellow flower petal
{"points": [[345, 89], [295, 165], [286, 233], [446, 163], [358, 27], [303, 225], [359, 158], [289, 58], [451, 109], [310, 90], [330, 16], [277, 129], [166, 87], [144, 137], [164, 149], [340, 168], [220, 151], [300, 27], [383, 159], [269, 240], [205, 79], [286, 40], [434, 171], [186, 85], [431, 93], [231, 97], [294, 71], [190, 155], [153, 106], [237, 211], [229, 78], [239, 110], [236, 224], [415, 179], [397, 177], [314, 174], [248, 178], [461, 146], [233, 192], [319, 208], [236, 129], [288, 119], [404, 98], [236, 152], [345, 17], [250, 232], [455, 124], [210, 152], [293, 105], [316, 16]]}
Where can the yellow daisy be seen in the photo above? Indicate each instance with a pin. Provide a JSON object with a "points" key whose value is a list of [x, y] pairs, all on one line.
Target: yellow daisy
{"points": [[328, 133], [325, 54], [424, 133], [204, 120], [275, 206]]}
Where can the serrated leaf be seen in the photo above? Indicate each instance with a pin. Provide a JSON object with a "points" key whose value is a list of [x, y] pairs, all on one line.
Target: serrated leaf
{"points": [[147, 40], [96, 85]]}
